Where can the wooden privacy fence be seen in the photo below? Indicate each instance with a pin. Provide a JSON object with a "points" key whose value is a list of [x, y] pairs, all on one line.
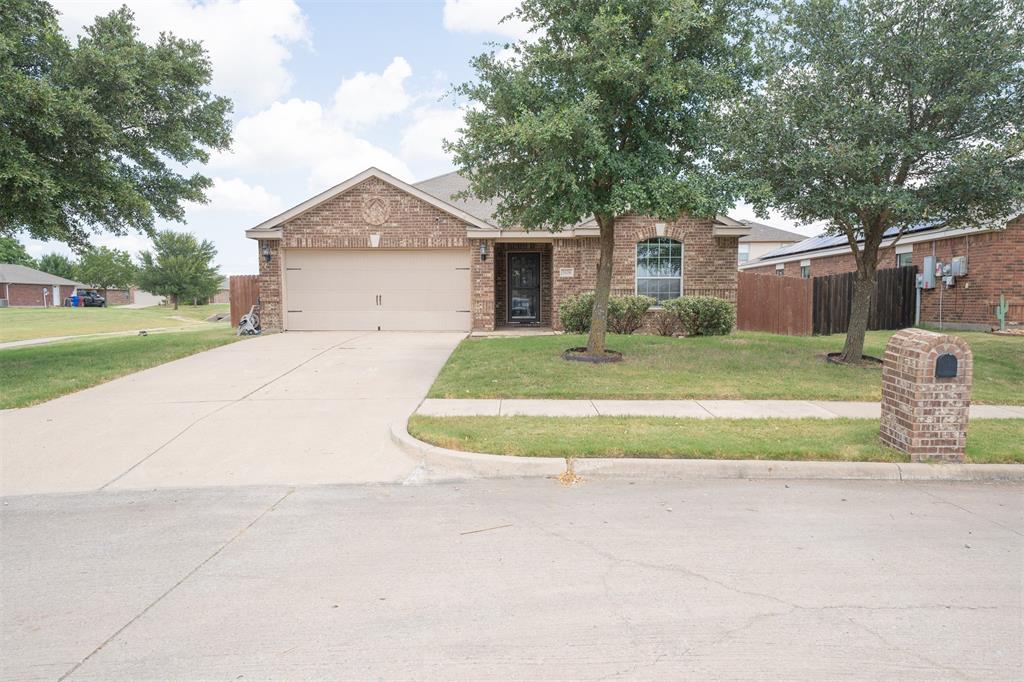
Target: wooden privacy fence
{"points": [[769, 303], [893, 302], [244, 293], [799, 307]]}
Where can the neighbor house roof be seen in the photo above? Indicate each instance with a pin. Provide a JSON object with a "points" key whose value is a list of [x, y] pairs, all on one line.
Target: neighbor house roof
{"points": [[440, 192], [759, 232], [21, 274], [446, 186]]}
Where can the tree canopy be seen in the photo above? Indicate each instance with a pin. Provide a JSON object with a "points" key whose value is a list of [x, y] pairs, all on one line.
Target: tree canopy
{"points": [[106, 268], [12, 251], [876, 115], [93, 136], [179, 267], [59, 264], [610, 108]]}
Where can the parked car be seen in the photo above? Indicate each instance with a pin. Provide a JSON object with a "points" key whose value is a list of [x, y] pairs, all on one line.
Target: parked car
{"points": [[89, 299]]}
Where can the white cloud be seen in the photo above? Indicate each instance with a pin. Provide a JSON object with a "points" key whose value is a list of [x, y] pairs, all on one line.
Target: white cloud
{"points": [[298, 135], [484, 16], [421, 140], [234, 195], [248, 40], [367, 98]]}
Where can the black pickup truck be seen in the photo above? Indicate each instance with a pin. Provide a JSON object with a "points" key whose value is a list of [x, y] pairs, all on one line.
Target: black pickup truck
{"points": [[89, 299]]}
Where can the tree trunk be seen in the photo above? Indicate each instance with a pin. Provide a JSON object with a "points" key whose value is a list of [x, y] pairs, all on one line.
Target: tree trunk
{"points": [[860, 308], [174, 297], [599, 318]]}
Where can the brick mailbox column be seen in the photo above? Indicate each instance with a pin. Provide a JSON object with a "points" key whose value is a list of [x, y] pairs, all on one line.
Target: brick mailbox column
{"points": [[926, 395]]}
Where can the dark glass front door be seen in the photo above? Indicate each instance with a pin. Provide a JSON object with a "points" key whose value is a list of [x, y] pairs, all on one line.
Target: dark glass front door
{"points": [[523, 288]]}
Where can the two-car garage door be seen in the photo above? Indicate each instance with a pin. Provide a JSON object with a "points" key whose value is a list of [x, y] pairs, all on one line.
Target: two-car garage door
{"points": [[416, 290]]}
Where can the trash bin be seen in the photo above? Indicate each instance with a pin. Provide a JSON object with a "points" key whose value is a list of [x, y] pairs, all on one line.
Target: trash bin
{"points": [[74, 301]]}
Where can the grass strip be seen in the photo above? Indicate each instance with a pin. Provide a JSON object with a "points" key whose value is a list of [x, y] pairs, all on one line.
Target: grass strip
{"points": [[34, 374], [849, 440]]}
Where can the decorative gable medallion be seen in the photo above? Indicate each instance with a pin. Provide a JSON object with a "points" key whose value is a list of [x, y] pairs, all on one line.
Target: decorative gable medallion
{"points": [[376, 210]]}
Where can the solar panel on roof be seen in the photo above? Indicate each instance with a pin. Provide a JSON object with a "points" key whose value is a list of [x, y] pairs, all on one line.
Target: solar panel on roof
{"points": [[824, 241]]}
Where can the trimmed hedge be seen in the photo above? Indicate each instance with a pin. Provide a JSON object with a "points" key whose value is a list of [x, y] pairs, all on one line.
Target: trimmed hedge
{"points": [[625, 313], [702, 315]]}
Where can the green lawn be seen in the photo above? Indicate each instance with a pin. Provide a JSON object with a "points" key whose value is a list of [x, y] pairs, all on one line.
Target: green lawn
{"points": [[855, 440], [17, 324], [743, 365], [34, 374]]}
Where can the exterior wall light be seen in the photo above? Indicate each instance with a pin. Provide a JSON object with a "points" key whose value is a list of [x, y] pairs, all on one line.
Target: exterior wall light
{"points": [[483, 250], [267, 253]]}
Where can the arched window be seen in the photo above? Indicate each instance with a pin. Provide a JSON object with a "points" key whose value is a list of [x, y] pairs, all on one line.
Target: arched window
{"points": [[659, 268]]}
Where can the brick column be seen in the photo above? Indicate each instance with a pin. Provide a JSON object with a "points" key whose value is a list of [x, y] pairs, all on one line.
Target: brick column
{"points": [[926, 395], [271, 319], [481, 284]]}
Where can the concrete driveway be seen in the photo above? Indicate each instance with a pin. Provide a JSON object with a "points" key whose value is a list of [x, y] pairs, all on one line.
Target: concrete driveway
{"points": [[296, 408]]}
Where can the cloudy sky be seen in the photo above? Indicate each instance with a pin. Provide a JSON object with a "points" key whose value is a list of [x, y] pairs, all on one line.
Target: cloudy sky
{"points": [[321, 91]]}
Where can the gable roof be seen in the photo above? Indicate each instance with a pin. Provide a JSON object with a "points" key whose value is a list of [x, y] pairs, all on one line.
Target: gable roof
{"points": [[22, 274], [759, 232], [273, 224], [440, 192]]}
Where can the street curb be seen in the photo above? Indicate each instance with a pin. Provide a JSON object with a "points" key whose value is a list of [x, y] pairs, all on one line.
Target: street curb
{"points": [[508, 466]]}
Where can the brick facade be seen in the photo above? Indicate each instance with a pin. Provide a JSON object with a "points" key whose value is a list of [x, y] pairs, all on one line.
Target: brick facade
{"points": [[31, 295], [924, 415], [709, 262], [404, 221], [995, 265]]}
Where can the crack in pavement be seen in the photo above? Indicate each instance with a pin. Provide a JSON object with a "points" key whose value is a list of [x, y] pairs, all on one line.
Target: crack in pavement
{"points": [[964, 509], [226, 405], [175, 586]]}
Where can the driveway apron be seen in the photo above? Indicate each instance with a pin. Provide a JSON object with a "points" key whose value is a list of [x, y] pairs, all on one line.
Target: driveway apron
{"points": [[295, 408]]}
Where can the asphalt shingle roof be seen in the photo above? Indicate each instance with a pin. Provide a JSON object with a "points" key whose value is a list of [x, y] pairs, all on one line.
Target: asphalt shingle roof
{"points": [[21, 274], [759, 232]]}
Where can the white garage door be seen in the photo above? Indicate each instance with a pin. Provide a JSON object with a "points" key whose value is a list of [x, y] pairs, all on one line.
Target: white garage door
{"points": [[422, 290]]}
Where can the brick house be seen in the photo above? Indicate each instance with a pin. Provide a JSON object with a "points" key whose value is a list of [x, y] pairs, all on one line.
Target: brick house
{"points": [[377, 253], [994, 259], [22, 286], [763, 239]]}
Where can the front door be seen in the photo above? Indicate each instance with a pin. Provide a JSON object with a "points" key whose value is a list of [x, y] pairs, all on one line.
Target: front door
{"points": [[524, 288]]}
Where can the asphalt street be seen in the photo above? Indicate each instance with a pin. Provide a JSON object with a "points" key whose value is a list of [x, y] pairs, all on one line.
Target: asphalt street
{"points": [[517, 579]]}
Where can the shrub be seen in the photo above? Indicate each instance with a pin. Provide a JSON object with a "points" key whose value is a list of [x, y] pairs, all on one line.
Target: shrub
{"points": [[665, 322], [575, 312], [702, 315], [626, 313]]}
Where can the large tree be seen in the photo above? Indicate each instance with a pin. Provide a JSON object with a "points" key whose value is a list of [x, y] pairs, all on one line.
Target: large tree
{"points": [[94, 136], [58, 264], [610, 108], [104, 268], [180, 267], [12, 251], [879, 115]]}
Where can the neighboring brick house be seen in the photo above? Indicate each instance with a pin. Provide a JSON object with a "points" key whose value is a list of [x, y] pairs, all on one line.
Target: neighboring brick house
{"points": [[994, 259], [22, 286], [223, 294], [377, 253]]}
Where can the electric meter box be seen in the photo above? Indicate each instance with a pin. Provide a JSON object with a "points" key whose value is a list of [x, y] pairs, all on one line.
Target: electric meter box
{"points": [[959, 266], [928, 274]]}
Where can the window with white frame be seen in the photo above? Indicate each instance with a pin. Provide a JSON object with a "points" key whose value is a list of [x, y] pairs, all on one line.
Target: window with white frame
{"points": [[904, 255], [780, 270], [805, 269], [659, 268], [744, 253]]}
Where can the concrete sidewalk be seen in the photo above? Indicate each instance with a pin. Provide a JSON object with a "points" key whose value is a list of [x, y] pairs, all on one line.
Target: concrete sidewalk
{"points": [[697, 409]]}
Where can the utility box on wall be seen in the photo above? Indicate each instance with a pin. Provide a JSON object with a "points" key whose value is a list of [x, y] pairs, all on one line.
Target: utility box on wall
{"points": [[926, 395]]}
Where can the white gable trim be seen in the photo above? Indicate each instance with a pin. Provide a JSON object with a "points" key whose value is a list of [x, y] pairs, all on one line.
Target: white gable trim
{"points": [[270, 229]]}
